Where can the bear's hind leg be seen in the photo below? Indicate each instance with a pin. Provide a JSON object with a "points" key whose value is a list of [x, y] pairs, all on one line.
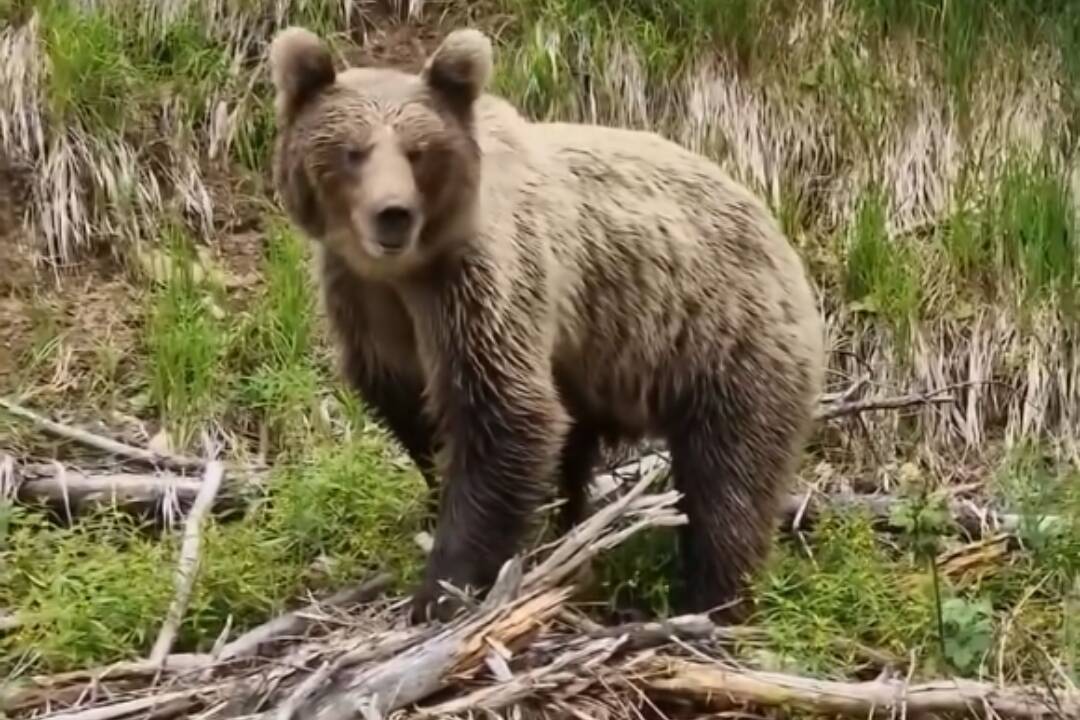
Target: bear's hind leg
{"points": [[732, 454]]}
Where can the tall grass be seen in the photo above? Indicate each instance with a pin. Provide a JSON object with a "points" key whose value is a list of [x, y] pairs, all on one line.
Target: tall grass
{"points": [[186, 341]]}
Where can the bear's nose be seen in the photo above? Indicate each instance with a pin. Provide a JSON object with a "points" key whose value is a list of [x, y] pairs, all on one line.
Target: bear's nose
{"points": [[393, 224]]}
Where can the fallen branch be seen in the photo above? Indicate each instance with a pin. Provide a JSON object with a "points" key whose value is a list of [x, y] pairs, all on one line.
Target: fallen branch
{"points": [[113, 447], [683, 627], [188, 564], [421, 671], [79, 491], [975, 520], [168, 704], [721, 687]]}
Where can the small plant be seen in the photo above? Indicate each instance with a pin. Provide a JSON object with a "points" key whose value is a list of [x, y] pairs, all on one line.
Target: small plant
{"points": [[968, 632], [923, 516]]}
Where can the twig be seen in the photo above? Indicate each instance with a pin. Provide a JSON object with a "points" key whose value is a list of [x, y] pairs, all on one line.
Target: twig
{"points": [[114, 447], [294, 622], [189, 560], [720, 686], [684, 627], [178, 701], [834, 410]]}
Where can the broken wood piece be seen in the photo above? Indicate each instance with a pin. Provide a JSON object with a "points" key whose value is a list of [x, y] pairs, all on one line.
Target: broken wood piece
{"points": [[78, 491], [723, 687], [976, 521]]}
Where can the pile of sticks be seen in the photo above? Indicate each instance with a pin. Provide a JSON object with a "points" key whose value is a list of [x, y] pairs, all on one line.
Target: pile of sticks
{"points": [[524, 651]]}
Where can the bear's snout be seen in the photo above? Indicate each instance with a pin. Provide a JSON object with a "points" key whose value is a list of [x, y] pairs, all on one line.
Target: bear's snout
{"points": [[393, 227]]}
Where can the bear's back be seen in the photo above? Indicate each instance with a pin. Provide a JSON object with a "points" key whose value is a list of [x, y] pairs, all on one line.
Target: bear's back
{"points": [[656, 259]]}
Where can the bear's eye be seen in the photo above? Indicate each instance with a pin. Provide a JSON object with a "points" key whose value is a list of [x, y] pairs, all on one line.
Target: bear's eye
{"points": [[355, 156]]}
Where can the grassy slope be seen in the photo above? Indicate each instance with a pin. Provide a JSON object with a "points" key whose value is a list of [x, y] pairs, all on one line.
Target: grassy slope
{"points": [[923, 162]]}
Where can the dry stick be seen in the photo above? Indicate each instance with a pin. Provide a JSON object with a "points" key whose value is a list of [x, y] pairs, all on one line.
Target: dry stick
{"points": [[189, 560], [294, 622], [178, 701], [855, 407], [719, 686], [174, 462], [120, 489], [47, 688], [639, 635], [499, 695]]}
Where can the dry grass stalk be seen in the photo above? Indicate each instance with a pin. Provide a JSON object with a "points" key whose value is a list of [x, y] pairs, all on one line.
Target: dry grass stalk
{"points": [[188, 564], [721, 687]]}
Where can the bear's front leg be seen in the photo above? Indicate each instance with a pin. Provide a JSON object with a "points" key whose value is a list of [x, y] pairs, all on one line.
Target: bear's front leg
{"points": [[503, 427], [503, 446]]}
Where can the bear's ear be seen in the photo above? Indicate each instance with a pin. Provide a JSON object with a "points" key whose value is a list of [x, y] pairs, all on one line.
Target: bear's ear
{"points": [[460, 67], [300, 66]]}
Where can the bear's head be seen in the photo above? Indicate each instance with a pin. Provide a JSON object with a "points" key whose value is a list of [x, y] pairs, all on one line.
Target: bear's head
{"points": [[380, 166]]}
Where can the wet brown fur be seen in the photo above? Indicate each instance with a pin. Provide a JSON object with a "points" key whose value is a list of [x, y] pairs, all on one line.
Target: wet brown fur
{"points": [[568, 283]]}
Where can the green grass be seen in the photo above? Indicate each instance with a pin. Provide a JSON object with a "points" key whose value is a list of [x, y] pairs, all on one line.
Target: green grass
{"points": [[851, 589], [186, 340], [1034, 213], [850, 595], [882, 273], [276, 354], [107, 74], [97, 592]]}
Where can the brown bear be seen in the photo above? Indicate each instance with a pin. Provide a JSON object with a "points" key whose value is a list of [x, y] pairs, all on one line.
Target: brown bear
{"points": [[506, 294]]}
